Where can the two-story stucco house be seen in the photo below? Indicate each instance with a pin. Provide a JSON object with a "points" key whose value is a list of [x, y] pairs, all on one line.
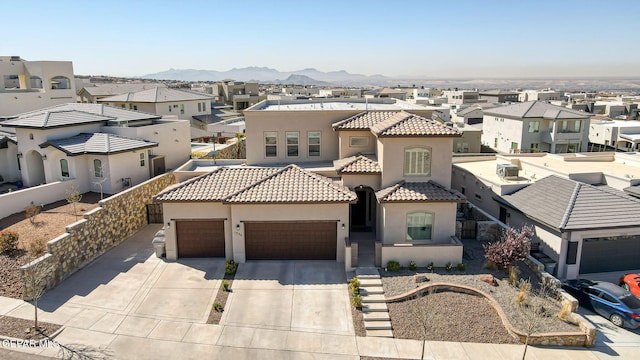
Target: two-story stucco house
{"points": [[374, 172], [535, 126], [102, 148]]}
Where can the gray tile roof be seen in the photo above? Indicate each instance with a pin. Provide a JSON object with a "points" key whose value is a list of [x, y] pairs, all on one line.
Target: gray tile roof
{"points": [[408, 125], [418, 192], [100, 109], [7, 137], [364, 120], [566, 204], [53, 119], [633, 190], [536, 109], [97, 143], [115, 89], [357, 165], [295, 185], [290, 184], [157, 95]]}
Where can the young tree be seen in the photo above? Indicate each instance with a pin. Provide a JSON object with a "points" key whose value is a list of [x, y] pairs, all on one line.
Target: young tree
{"points": [[513, 246], [421, 310], [74, 197], [30, 212], [532, 309], [35, 274]]}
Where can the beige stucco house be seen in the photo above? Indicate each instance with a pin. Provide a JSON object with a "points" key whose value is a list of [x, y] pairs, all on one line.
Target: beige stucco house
{"points": [[380, 178]]}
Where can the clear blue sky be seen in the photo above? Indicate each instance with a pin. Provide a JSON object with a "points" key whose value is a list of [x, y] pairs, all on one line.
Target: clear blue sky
{"points": [[483, 38]]}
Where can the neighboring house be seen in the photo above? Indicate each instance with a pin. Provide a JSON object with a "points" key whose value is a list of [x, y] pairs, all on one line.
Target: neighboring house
{"points": [[98, 146], [91, 94], [164, 101], [240, 95], [499, 96], [535, 126], [30, 85], [383, 93], [540, 95], [470, 140], [462, 96], [221, 121], [608, 133], [379, 174], [9, 170], [584, 228]]}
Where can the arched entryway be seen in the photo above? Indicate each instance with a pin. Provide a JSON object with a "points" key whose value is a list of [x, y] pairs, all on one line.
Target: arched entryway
{"points": [[34, 169], [363, 213]]}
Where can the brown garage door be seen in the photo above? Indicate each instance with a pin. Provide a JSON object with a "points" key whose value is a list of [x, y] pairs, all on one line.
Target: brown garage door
{"points": [[290, 240], [200, 238]]}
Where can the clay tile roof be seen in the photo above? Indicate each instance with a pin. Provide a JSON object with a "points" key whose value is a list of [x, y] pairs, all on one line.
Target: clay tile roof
{"points": [[364, 120], [215, 185], [418, 191], [404, 124], [357, 165], [293, 184]]}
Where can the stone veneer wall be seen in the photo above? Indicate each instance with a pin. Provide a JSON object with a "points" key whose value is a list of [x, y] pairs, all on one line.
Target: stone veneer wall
{"points": [[117, 218]]}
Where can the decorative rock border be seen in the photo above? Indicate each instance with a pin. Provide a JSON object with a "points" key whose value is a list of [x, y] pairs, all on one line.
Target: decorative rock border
{"points": [[585, 338]]}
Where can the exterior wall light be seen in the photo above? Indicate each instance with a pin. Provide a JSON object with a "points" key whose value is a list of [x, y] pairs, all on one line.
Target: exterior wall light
{"points": [[19, 155]]}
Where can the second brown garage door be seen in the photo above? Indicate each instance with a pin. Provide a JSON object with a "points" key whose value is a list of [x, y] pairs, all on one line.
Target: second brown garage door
{"points": [[200, 238], [290, 240]]}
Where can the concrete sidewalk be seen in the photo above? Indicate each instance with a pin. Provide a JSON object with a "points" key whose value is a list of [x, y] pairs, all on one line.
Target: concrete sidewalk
{"points": [[130, 305]]}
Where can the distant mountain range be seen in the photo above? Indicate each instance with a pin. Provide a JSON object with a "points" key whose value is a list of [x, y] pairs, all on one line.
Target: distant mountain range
{"points": [[315, 77], [268, 75]]}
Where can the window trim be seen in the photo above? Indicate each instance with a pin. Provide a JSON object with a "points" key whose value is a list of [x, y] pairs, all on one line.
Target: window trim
{"points": [[431, 215], [292, 146], [97, 168], [273, 134], [309, 144], [62, 168], [142, 159], [416, 149]]}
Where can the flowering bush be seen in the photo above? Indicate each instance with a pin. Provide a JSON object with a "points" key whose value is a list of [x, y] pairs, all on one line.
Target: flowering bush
{"points": [[513, 246]]}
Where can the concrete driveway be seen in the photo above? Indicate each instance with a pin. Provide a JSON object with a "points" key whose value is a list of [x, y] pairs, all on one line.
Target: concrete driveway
{"points": [[609, 334], [306, 296]]}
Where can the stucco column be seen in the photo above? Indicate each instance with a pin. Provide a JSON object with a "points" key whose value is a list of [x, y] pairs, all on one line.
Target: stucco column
{"points": [[24, 81]]}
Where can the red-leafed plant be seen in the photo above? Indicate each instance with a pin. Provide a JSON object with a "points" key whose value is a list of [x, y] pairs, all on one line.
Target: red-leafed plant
{"points": [[513, 246]]}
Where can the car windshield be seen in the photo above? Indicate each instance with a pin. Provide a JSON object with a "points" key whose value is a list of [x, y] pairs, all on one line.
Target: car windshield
{"points": [[631, 301]]}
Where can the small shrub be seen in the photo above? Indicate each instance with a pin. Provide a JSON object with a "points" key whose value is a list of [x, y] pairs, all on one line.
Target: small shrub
{"points": [[356, 300], [393, 266], [431, 266], [37, 247], [514, 275], [525, 289], [448, 266], [412, 265], [30, 212], [225, 285], [230, 267], [8, 241], [462, 267], [354, 283], [217, 307], [489, 265], [514, 245]]}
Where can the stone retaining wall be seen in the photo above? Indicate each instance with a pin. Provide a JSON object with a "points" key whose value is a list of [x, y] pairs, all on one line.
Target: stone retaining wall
{"points": [[585, 338], [117, 218]]}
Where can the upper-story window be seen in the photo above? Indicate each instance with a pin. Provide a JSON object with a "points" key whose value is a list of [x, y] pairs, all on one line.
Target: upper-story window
{"points": [[60, 82], [270, 144], [181, 109], [36, 82], [534, 126], [417, 161], [97, 168], [64, 167], [358, 141], [314, 143], [419, 225], [293, 142], [576, 125], [142, 159], [199, 107]]}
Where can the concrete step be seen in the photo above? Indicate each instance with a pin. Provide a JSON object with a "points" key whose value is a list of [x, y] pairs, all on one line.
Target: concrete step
{"points": [[378, 290], [367, 273], [380, 333], [376, 298], [377, 325], [374, 307], [370, 282], [376, 316]]}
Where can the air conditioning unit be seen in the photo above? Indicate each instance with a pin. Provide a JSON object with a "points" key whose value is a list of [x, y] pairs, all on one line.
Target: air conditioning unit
{"points": [[507, 171]]}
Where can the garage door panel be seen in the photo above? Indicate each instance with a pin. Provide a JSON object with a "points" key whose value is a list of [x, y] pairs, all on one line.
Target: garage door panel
{"points": [[290, 240], [610, 254], [200, 238]]}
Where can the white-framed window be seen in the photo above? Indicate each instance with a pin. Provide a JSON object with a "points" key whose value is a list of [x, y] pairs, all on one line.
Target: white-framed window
{"points": [[293, 143], [534, 126], [64, 167], [313, 138], [417, 161], [576, 125], [270, 144], [419, 225], [142, 159], [358, 141], [97, 168], [199, 107], [462, 147]]}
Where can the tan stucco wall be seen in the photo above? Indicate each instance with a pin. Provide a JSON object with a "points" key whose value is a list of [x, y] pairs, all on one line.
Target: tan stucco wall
{"points": [[422, 255], [393, 219], [289, 212], [346, 150], [195, 210], [391, 159], [351, 181]]}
